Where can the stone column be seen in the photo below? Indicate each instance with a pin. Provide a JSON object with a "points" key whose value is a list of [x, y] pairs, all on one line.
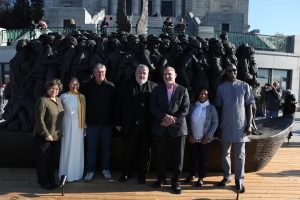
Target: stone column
{"points": [[156, 6], [135, 7], [113, 7], [178, 6]]}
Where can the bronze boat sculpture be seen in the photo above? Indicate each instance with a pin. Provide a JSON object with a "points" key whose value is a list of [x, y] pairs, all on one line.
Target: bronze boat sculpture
{"points": [[260, 150], [17, 148]]}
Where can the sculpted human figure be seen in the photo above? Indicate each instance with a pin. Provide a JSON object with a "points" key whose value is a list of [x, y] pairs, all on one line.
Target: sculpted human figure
{"points": [[138, 55], [19, 68], [81, 66], [156, 58], [38, 68], [101, 52], [246, 65], [229, 56], [50, 61], [67, 57], [170, 49], [199, 68], [116, 63], [216, 52]]}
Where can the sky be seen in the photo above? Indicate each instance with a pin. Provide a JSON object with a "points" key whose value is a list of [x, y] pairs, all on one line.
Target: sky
{"points": [[275, 16]]}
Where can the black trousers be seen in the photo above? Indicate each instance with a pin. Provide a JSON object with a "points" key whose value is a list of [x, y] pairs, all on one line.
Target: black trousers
{"points": [[137, 143], [198, 151], [176, 151], [46, 160]]}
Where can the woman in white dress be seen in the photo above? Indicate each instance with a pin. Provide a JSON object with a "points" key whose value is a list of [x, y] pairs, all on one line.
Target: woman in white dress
{"points": [[72, 144]]}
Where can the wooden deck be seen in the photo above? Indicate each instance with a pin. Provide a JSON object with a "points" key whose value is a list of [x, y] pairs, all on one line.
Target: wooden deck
{"points": [[280, 179]]}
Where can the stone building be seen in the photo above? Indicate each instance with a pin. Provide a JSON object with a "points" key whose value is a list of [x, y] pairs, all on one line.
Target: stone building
{"points": [[227, 15]]}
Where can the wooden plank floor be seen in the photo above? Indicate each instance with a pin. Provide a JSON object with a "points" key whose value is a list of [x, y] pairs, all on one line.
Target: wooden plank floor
{"points": [[279, 180]]}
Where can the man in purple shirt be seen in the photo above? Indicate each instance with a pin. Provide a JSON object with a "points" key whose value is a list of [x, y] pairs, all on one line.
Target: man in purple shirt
{"points": [[169, 105]]}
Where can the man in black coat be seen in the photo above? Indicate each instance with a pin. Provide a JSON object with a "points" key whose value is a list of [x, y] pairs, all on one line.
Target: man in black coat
{"points": [[100, 95], [133, 119], [169, 104]]}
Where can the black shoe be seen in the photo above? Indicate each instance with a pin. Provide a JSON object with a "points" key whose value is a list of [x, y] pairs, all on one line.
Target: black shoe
{"points": [[159, 183], [47, 186], [224, 182], [123, 178], [141, 180], [239, 186], [199, 183], [176, 188], [54, 185], [189, 179]]}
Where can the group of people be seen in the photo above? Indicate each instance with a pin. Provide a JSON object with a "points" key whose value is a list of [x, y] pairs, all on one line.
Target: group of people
{"points": [[271, 99], [149, 116], [41, 24], [168, 26]]}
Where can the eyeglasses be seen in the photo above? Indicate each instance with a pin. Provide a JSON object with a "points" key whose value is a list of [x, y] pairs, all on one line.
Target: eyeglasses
{"points": [[231, 70], [75, 84]]}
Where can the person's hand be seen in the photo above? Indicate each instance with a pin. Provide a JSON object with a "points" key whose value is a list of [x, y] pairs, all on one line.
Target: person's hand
{"points": [[248, 130], [119, 128], [191, 139], [204, 140], [49, 138], [84, 132], [168, 120]]}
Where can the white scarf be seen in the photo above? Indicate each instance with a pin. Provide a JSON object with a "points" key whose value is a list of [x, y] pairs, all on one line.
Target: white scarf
{"points": [[198, 119]]}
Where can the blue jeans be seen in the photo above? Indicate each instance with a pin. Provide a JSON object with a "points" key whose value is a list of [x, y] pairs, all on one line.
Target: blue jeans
{"points": [[93, 135], [271, 114], [239, 159]]}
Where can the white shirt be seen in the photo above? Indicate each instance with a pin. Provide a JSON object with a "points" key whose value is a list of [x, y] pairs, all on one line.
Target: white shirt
{"points": [[198, 119]]}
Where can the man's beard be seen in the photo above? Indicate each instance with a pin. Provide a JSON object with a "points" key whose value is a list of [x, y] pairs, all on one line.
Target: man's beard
{"points": [[141, 81]]}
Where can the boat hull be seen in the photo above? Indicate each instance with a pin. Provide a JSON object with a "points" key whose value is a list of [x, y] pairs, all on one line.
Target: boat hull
{"points": [[17, 147]]}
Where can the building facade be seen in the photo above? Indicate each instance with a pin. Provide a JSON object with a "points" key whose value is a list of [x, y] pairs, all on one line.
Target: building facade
{"points": [[226, 15]]}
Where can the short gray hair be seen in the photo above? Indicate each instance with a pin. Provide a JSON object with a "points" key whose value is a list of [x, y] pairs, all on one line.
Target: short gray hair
{"points": [[142, 66], [170, 67], [99, 66]]}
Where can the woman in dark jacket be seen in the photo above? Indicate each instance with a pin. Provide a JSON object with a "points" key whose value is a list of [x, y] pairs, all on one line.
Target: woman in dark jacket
{"points": [[203, 122], [47, 131]]}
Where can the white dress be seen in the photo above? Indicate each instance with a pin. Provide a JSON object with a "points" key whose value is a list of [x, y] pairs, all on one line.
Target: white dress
{"points": [[72, 143]]}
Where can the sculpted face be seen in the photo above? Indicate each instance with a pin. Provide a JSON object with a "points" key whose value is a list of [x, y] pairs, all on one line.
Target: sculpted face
{"points": [[169, 75]]}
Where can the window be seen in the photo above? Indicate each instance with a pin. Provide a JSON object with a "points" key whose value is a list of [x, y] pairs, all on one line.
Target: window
{"points": [[263, 76], [149, 8], [225, 27], [128, 7], [282, 76], [166, 8], [4, 72], [271, 75]]}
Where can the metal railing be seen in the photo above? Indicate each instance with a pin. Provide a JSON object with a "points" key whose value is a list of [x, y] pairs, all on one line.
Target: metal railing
{"points": [[257, 41], [11, 35], [260, 42], [154, 31]]}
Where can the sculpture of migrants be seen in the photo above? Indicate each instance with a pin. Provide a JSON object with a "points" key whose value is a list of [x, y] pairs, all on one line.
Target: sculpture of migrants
{"points": [[198, 62]]}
